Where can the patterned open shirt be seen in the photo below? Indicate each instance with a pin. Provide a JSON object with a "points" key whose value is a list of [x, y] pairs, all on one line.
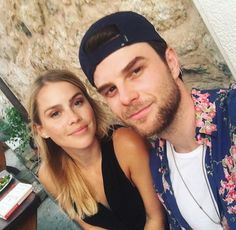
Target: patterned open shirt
{"points": [[216, 128]]}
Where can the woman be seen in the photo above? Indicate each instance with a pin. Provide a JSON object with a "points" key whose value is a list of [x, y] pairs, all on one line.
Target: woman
{"points": [[99, 176]]}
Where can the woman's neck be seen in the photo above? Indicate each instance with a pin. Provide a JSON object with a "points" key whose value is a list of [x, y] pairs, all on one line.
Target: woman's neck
{"points": [[88, 157]]}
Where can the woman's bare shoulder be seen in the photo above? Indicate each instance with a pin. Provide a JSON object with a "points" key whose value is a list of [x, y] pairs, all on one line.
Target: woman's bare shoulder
{"points": [[130, 148], [127, 139], [45, 178], [43, 171]]}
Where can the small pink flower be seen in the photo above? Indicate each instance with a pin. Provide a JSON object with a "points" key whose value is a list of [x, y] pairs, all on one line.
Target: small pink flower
{"points": [[225, 224], [229, 161], [222, 91], [234, 177], [233, 195], [212, 114], [221, 191], [233, 86], [194, 91], [166, 185], [210, 128], [206, 117], [213, 127], [194, 99], [205, 101], [232, 209], [199, 142], [199, 123], [233, 150], [198, 109], [205, 104], [204, 96]]}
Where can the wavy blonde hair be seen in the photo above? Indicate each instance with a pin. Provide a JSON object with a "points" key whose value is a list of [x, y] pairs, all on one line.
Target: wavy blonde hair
{"points": [[76, 197]]}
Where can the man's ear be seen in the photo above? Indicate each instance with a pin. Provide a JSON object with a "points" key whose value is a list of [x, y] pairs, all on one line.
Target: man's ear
{"points": [[173, 62]]}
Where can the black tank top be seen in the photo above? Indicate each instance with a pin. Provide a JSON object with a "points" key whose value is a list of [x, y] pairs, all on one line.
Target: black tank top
{"points": [[127, 210]]}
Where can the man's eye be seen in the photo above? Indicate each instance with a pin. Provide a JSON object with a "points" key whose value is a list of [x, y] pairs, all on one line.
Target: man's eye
{"points": [[110, 92], [136, 71]]}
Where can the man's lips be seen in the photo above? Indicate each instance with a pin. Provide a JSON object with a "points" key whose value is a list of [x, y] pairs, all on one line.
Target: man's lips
{"points": [[79, 130], [141, 113]]}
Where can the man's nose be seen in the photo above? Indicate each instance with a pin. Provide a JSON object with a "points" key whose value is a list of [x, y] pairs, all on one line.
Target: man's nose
{"points": [[128, 95]]}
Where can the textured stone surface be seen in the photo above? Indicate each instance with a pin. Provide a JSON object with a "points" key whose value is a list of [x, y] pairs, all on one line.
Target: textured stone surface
{"points": [[39, 35]]}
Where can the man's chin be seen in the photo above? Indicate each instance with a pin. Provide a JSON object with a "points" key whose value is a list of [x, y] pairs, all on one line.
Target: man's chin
{"points": [[143, 130]]}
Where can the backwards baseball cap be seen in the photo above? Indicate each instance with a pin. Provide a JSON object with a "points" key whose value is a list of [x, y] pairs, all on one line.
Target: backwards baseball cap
{"points": [[132, 28]]}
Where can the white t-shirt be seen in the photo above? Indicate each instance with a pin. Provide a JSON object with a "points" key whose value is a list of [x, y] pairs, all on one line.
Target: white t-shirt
{"points": [[190, 167]]}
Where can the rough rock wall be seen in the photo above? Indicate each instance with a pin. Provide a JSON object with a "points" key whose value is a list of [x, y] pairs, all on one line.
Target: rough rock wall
{"points": [[36, 35]]}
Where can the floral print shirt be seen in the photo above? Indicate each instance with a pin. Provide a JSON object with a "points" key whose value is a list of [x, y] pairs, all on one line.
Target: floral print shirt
{"points": [[216, 128]]}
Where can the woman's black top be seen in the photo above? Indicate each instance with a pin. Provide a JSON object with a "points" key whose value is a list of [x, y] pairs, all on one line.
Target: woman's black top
{"points": [[127, 210]]}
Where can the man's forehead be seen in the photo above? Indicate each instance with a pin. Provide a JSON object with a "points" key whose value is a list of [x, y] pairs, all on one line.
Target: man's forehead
{"points": [[117, 62]]}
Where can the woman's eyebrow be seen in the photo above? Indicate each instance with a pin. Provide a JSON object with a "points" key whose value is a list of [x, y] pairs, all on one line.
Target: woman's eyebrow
{"points": [[75, 95], [58, 105]]}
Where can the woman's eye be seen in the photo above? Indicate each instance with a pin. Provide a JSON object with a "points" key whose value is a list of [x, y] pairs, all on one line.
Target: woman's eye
{"points": [[78, 102], [55, 114]]}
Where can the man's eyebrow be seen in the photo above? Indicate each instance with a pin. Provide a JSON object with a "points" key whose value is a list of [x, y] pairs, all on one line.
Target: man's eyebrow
{"points": [[58, 105], [124, 71], [103, 87], [131, 64]]}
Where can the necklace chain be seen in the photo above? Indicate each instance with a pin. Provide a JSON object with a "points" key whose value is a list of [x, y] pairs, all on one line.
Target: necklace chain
{"points": [[208, 188]]}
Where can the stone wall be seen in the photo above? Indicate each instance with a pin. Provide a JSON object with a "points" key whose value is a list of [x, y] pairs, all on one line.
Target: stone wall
{"points": [[37, 35]]}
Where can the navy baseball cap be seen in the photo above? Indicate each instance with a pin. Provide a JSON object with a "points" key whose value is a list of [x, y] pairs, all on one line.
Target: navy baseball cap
{"points": [[132, 28]]}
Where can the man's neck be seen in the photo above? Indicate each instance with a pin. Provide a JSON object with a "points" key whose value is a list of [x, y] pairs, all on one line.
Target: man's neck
{"points": [[181, 132]]}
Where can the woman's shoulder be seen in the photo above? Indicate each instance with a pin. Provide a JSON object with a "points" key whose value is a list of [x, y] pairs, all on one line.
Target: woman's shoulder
{"points": [[128, 144], [128, 136], [43, 170], [45, 178]]}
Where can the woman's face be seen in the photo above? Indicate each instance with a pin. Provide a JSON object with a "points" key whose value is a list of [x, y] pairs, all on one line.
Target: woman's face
{"points": [[66, 116]]}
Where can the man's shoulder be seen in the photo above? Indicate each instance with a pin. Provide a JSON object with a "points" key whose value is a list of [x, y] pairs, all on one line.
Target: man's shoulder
{"points": [[214, 91], [220, 97]]}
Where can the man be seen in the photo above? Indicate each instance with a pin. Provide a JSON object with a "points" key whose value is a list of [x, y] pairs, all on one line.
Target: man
{"points": [[194, 164]]}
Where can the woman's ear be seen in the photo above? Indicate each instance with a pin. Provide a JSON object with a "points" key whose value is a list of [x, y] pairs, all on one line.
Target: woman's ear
{"points": [[173, 62], [40, 131]]}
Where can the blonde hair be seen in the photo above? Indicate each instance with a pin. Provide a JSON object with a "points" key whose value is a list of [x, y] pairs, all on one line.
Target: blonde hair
{"points": [[75, 197]]}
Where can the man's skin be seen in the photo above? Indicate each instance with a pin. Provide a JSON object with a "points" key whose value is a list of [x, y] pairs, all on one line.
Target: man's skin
{"points": [[147, 94]]}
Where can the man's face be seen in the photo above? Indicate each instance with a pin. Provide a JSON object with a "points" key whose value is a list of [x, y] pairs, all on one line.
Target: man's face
{"points": [[139, 87]]}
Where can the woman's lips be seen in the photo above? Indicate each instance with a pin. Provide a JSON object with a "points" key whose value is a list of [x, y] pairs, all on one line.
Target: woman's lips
{"points": [[79, 131]]}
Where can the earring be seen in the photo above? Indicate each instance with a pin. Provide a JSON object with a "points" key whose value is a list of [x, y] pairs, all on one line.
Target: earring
{"points": [[46, 136]]}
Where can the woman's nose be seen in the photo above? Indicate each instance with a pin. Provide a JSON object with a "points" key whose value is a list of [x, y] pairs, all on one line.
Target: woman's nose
{"points": [[73, 116]]}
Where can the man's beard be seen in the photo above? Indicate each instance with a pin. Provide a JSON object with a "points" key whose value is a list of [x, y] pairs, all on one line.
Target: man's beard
{"points": [[164, 116]]}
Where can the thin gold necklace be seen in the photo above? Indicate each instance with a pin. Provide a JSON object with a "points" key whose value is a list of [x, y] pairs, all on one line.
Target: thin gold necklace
{"points": [[208, 187]]}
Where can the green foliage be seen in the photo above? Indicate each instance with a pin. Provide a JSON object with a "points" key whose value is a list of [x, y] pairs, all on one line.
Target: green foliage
{"points": [[14, 128]]}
